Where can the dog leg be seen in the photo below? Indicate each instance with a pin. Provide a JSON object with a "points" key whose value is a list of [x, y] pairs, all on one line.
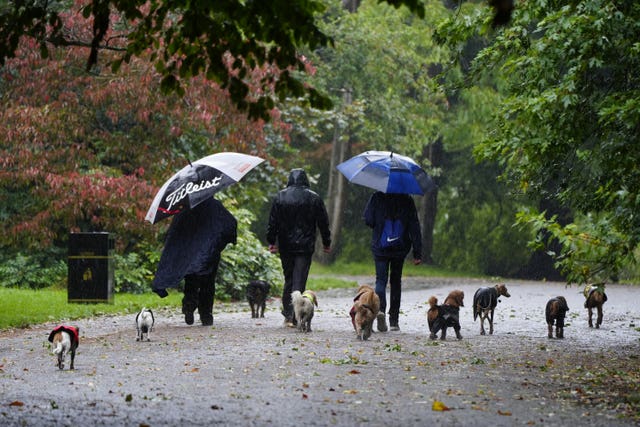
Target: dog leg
{"points": [[491, 323], [590, 317], [482, 317], [73, 357], [559, 332], [262, 307], [457, 330], [599, 321], [550, 326], [443, 335], [60, 361]]}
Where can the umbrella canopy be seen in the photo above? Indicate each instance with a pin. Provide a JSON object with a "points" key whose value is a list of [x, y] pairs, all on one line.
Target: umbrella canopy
{"points": [[387, 172], [198, 181]]}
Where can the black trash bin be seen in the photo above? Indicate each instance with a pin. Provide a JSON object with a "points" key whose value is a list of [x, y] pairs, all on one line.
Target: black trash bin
{"points": [[90, 268]]}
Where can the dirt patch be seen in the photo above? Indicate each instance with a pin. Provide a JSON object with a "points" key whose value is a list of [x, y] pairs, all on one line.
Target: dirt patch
{"points": [[245, 371]]}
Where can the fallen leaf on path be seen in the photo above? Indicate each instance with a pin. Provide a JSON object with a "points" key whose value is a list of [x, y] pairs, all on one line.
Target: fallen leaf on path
{"points": [[350, 392], [16, 403], [439, 406], [506, 413]]}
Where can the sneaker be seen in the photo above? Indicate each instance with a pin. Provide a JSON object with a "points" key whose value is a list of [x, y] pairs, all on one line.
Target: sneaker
{"points": [[382, 323]]}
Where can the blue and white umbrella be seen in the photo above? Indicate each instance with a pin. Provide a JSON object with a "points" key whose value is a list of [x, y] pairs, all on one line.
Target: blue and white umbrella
{"points": [[387, 172], [198, 181]]}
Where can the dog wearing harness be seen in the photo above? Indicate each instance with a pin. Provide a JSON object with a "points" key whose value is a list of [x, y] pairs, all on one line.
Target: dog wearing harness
{"points": [[303, 308], [485, 301], [366, 306]]}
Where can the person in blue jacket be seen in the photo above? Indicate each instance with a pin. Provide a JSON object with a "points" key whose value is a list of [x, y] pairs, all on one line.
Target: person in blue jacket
{"points": [[296, 213], [192, 251], [395, 231]]}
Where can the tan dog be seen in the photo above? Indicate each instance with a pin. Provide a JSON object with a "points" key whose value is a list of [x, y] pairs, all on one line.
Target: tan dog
{"points": [[484, 304], [303, 308], [555, 312], [366, 306], [595, 298], [65, 339], [441, 317]]}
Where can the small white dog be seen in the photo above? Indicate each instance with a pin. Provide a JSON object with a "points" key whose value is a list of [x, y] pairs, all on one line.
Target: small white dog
{"points": [[144, 323], [303, 308]]}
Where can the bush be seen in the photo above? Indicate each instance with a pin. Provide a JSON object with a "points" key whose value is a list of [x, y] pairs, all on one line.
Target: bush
{"points": [[32, 272]]}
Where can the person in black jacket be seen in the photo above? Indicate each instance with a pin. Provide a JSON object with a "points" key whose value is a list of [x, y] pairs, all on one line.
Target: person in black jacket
{"points": [[192, 251], [296, 213], [396, 229]]}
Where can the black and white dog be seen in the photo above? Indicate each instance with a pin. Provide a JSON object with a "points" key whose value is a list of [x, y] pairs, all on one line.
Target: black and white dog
{"points": [[144, 323]]}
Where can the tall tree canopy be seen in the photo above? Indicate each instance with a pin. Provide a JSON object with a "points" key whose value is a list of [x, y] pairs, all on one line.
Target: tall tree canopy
{"points": [[568, 129], [225, 40]]}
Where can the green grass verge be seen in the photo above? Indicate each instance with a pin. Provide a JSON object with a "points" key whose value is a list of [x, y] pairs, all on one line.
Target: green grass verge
{"points": [[22, 307], [368, 269]]}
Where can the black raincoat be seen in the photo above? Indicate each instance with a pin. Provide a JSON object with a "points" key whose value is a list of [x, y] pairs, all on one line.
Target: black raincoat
{"points": [[295, 214], [194, 242]]}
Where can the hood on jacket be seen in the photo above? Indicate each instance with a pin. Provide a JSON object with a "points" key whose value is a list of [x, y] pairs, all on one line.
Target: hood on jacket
{"points": [[298, 177]]}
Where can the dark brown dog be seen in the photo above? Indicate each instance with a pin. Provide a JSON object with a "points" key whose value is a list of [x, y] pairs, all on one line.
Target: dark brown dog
{"points": [[366, 306], [555, 312], [257, 294], [595, 298], [65, 339], [484, 304], [441, 317]]}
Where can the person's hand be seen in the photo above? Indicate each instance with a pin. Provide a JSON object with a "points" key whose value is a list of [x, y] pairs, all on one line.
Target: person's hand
{"points": [[417, 261], [273, 249], [326, 249]]}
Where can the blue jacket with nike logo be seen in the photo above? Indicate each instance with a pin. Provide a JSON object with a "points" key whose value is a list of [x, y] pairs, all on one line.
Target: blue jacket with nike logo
{"points": [[401, 206]]}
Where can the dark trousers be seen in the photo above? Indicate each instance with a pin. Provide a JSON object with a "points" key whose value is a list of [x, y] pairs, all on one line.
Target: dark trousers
{"points": [[389, 269], [295, 268], [199, 291]]}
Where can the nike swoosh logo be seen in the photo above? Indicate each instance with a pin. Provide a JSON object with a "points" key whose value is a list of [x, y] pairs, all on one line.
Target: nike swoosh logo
{"points": [[392, 239]]}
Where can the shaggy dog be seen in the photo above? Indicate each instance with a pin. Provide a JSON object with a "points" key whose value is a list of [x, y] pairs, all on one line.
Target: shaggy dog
{"points": [[365, 308], [144, 323], [555, 312], [303, 308], [484, 304], [257, 294], [595, 298], [441, 317], [65, 340]]}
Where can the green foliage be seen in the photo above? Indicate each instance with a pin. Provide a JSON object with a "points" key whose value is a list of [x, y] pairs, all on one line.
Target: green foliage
{"points": [[247, 260], [24, 271], [566, 130]]}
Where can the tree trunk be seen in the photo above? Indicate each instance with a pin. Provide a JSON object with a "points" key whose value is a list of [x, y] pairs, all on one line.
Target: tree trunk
{"points": [[429, 204], [336, 195]]}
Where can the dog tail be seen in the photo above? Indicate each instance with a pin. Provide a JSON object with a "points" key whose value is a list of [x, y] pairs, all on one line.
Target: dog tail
{"points": [[58, 348], [433, 301]]}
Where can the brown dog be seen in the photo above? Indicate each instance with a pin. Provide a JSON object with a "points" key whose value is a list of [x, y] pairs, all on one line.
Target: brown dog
{"points": [[484, 304], [366, 306], [441, 317], [555, 312], [595, 298], [65, 339]]}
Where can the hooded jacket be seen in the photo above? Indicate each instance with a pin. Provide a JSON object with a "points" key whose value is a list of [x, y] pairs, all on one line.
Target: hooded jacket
{"points": [[194, 243], [296, 213], [401, 206]]}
